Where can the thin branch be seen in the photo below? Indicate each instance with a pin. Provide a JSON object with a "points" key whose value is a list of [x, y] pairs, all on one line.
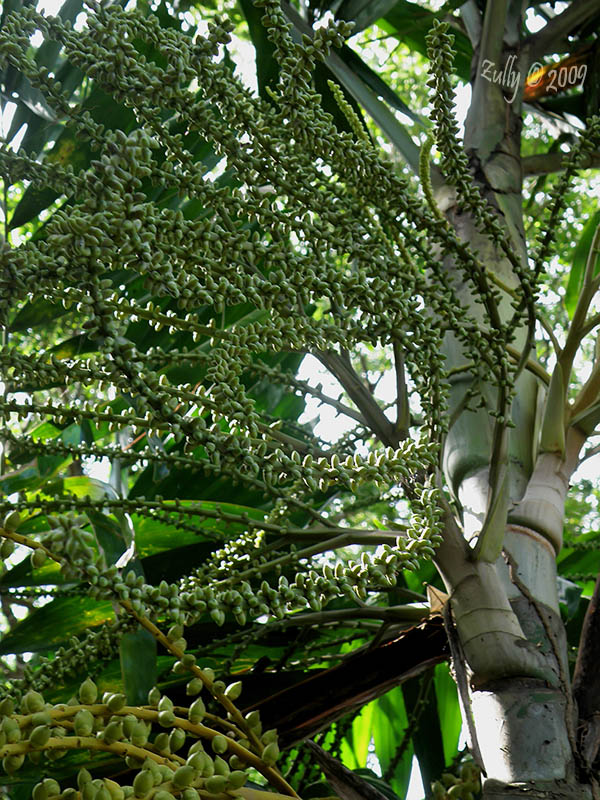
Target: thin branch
{"points": [[342, 369], [553, 37], [547, 163], [586, 295], [471, 16]]}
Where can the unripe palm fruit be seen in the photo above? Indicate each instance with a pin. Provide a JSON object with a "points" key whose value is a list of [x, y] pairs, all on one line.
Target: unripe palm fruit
{"points": [[129, 723], [183, 776], [139, 735], [83, 777], [197, 711], [88, 692], [269, 736], [165, 704], [38, 558], [253, 719], [113, 732], [219, 744], [12, 521], [7, 548], [39, 792], [154, 696], [176, 739], [166, 718], [234, 690], [116, 702], [83, 723], [448, 779], [13, 763], [162, 794], [32, 702], [51, 786], [39, 736], [216, 784], [194, 687], [7, 707], [236, 779], [439, 792], [116, 792], [221, 766], [190, 794], [271, 753], [142, 783], [161, 742]]}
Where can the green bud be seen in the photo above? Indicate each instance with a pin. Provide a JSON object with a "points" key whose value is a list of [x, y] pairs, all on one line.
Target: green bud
{"points": [[39, 736], [139, 735], [194, 687], [219, 744], [7, 548], [83, 777], [166, 718], [113, 732], [176, 739], [216, 784], [129, 723], [234, 690], [13, 763], [165, 704], [38, 558], [142, 783], [83, 723], [153, 696], [88, 692], [39, 792], [221, 766], [51, 786], [32, 702], [236, 779], [175, 632], [270, 754], [269, 736], [7, 707], [116, 702], [161, 742], [12, 521], [183, 777], [197, 711]]}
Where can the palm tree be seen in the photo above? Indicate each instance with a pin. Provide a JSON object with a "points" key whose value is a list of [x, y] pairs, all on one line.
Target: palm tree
{"points": [[175, 245]]}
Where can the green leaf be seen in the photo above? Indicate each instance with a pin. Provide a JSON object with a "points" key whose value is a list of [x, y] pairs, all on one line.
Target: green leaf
{"points": [[138, 654], [363, 12], [427, 737], [389, 726], [410, 23], [448, 710], [154, 535], [355, 747], [580, 256], [55, 623]]}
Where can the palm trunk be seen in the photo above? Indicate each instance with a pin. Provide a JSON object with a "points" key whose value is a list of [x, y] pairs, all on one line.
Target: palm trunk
{"points": [[511, 640]]}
